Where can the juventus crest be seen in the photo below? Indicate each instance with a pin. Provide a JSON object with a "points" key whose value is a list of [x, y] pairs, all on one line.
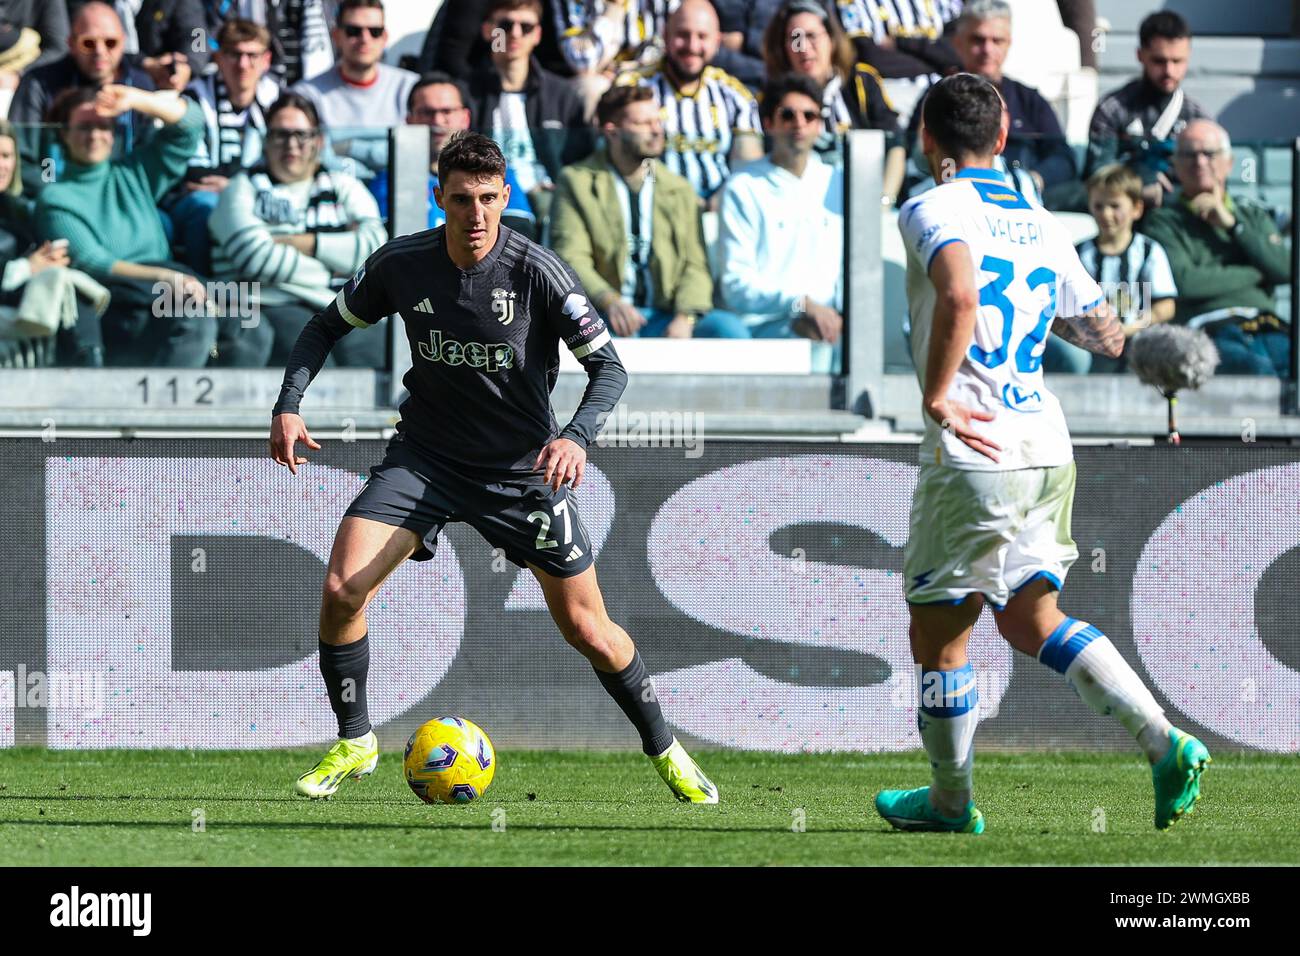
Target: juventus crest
{"points": [[503, 304]]}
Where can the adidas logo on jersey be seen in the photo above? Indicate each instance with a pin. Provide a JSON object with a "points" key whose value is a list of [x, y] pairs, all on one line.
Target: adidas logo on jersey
{"points": [[575, 554], [425, 306]]}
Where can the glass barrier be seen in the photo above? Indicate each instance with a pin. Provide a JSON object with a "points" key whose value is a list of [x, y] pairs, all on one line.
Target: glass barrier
{"points": [[225, 269], [1164, 258], [169, 261]]}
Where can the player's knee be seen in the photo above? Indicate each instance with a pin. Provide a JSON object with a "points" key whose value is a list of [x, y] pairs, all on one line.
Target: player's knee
{"points": [[344, 597], [588, 634]]}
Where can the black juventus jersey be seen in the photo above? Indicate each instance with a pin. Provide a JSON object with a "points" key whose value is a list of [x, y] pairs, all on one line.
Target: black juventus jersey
{"points": [[484, 347]]}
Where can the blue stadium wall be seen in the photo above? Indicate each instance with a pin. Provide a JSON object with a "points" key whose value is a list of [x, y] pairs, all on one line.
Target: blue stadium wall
{"points": [[164, 593]]}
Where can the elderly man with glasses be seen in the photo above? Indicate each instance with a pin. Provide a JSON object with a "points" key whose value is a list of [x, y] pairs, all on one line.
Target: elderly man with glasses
{"points": [[1227, 257], [94, 59]]}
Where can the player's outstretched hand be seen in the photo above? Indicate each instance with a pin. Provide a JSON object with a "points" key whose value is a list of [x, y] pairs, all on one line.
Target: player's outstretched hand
{"points": [[287, 430], [563, 461], [956, 418]]}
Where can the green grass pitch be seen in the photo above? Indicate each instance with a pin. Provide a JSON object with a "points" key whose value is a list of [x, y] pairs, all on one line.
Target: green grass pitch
{"points": [[585, 808]]}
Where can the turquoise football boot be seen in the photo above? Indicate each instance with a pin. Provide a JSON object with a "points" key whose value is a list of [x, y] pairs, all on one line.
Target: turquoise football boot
{"points": [[911, 810], [1177, 778]]}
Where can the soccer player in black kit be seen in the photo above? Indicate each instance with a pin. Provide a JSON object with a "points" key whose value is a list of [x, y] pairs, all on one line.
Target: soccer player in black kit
{"points": [[485, 310]]}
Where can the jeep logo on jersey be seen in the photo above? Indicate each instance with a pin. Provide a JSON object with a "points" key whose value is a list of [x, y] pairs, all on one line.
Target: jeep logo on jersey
{"points": [[490, 357], [503, 304]]}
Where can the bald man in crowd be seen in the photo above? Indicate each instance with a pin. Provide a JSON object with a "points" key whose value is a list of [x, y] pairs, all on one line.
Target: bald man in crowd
{"points": [[95, 47], [710, 118], [1226, 255]]}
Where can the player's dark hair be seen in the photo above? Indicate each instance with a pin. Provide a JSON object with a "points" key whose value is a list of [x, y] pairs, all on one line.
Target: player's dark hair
{"points": [[779, 87], [619, 98], [296, 101], [471, 153], [964, 115], [1165, 24], [438, 78]]}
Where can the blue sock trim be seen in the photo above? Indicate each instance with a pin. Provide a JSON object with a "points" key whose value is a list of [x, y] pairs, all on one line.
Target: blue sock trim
{"points": [[1059, 653], [948, 693]]}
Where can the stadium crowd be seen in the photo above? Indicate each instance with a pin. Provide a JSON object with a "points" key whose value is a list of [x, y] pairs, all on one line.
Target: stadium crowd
{"points": [[188, 143]]}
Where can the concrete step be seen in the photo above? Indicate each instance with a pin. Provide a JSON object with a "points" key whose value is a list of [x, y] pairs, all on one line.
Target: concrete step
{"points": [[1252, 18], [1233, 55]]}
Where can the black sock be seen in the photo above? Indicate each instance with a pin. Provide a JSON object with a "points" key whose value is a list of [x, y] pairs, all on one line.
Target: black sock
{"points": [[344, 667], [630, 687]]}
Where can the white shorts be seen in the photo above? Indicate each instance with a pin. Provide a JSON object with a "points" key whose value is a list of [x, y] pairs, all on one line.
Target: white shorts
{"points": [[988, 532]]}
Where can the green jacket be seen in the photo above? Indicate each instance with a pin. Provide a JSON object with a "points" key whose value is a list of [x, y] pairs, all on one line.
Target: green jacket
{"points": [[109, 212], [588, 232], [1215, 269]]}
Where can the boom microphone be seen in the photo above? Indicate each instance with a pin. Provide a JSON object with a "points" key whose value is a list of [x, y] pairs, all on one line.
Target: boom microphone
{"points": [[1172, 358]]}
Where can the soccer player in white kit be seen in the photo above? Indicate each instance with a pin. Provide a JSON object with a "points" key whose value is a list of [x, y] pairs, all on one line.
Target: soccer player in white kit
{"points": [[988, 273]]}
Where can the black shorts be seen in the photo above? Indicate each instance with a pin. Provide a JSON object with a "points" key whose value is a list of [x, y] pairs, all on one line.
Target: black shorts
{"points": [[526, 519]]}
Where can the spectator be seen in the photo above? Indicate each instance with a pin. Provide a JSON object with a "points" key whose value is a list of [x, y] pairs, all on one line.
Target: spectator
{"points": [[905, 41], [438, 101], [300, 231], [804, 38], [631, 230], [107, 210], [1131, 267], [234, 100], [94, 60], [22, 258], [1036, 145], [165, 38], [300, 33], [360, 98], [454, 42], [744, 26], [1227, 257], [32, 33], [1139, 123], [711, 117], [782, 226], [535, 116]]}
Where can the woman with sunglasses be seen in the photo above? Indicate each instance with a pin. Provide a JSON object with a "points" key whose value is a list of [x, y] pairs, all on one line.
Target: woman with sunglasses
{"points": [[300, 232], [804, 38], [107, 210]]}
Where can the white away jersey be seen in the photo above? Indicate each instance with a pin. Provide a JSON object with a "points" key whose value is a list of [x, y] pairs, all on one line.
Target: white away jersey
{"points": [[1027, 272]]}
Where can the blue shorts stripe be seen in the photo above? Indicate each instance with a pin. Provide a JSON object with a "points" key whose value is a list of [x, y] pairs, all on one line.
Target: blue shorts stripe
{"points": [[1059, 653]]}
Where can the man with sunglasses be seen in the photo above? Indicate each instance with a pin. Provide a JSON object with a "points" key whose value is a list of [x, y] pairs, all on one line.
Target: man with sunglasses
{"points": [[159, 37], [360, 98], [95, 58], [781, 228], [536, 118]]}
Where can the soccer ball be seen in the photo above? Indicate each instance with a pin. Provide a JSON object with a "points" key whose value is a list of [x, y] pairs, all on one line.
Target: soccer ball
{"points": [[449, 760]]}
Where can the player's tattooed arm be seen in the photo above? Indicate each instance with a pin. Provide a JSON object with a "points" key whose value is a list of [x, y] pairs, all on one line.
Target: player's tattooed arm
{"points": [[1099, 331]]}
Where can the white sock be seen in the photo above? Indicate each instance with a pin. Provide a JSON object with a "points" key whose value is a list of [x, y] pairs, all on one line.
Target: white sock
{"points": [[947, 716], [1106, 683]]}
